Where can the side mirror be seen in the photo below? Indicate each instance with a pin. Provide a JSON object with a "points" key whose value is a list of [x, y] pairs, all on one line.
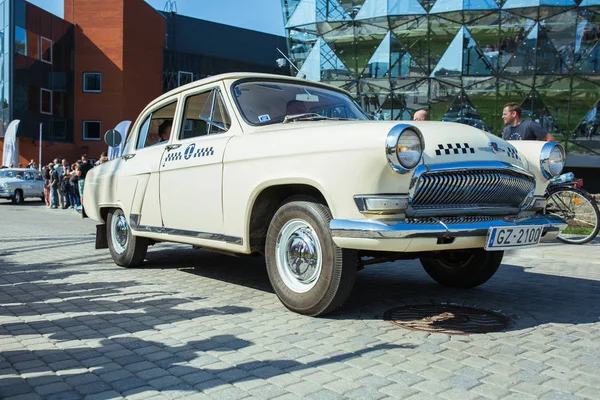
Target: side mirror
{"points": [[113, 138]]}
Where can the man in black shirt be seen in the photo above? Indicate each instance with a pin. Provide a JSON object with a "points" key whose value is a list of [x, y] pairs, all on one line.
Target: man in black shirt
{"points": [[517, 129], [82, 169]]}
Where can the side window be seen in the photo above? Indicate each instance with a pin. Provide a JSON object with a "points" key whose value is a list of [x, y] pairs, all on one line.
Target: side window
{"points": [[28, 176], [204, 114], [38, 176], [157, 126]]}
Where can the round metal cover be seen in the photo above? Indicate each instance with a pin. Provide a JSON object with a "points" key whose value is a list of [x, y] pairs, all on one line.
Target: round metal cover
{"points": [[445, 318]]}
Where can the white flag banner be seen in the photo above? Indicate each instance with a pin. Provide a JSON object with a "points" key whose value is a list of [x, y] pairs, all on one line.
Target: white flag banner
{"points": [[10, 154], [123, 128]]}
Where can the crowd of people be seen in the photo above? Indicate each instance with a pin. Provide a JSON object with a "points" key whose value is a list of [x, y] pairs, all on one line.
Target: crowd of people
{"points": [[63, 182]]}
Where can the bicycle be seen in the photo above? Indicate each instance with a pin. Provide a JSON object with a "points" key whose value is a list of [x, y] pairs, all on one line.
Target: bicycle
{"points": [[566, 198]]}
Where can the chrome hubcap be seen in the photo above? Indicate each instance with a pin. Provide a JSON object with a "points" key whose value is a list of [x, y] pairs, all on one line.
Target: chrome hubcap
{"points": [[120, 232], [298, 256]]}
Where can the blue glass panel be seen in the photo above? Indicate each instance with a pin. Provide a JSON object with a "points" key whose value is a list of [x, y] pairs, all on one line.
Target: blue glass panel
{"points": [[2, 22], [330, 10], [305, 13], [451, 62], [20, 13], [406, 7], [288, 7], [459, 5], [372, 9], [311, 68]]}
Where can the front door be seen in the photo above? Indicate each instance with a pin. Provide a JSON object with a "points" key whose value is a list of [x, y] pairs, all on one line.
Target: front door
{"points": [[191, 172], [138, 184]]}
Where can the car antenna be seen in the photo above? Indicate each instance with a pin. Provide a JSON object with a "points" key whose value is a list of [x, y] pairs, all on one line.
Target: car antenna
{"points": [[302, 75]]}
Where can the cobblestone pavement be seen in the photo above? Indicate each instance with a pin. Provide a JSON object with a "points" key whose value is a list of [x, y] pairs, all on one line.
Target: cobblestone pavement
{"points": [[193, 324]]}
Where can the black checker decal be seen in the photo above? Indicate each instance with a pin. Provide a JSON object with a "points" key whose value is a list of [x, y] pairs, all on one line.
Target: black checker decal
{"points": [[456, 148], [176, 156], [205, 151], [513, 153]]}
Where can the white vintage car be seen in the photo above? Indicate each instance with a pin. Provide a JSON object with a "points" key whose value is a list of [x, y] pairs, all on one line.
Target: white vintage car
{"points": [[17, 184], [294, 170]]}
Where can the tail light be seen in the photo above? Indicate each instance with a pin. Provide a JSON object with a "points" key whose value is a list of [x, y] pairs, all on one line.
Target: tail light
{"points": [[578, 184]]}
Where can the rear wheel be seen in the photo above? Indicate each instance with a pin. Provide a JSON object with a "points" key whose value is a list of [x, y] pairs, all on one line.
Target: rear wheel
{"points": [[18, 197], [309, 273], [463, 268], [126, 249], [580, 212]]}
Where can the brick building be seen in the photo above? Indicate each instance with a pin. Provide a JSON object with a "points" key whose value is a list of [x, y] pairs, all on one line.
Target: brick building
{"points": [[80, 76]]}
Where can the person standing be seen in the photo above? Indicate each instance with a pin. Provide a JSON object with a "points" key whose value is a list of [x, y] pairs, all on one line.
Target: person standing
{"points": [[64, 184], [74, 190], [82, 170], [517, 129], [54, 180], [46, 175]]}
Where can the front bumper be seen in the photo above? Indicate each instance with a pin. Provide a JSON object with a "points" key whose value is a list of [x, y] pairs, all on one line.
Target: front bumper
{"points": [[430, 234], [6, 193]]}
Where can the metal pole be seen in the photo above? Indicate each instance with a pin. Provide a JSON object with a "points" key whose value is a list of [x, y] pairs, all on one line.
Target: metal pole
{"points": [[40, 155]]}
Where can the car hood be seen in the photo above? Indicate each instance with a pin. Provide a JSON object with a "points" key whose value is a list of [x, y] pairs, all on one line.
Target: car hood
{"points": [[10, 180], [445, 142]]}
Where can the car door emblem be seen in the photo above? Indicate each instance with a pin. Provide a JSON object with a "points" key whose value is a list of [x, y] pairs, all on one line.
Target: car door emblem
{"points": [[493, 148], [189, 151]]}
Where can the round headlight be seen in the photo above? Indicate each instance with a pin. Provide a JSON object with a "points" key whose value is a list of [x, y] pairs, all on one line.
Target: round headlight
{"points": [[552, 159], [404, 148]]}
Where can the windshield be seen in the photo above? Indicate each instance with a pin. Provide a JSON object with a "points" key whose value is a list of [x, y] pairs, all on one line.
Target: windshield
{"points": [[268, 102], [8, 173]]}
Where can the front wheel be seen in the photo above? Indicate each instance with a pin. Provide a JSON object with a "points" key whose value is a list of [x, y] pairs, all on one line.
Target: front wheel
{"points": [[463, 268], [18, 197], [309, 273], [580, 212], [126, 249]]}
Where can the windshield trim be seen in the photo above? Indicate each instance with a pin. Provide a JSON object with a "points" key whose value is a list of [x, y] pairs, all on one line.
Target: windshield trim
{"points": [[288, 81]]}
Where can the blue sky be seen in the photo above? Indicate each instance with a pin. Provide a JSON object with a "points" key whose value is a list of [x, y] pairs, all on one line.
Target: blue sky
{"points": [[258, 15]]}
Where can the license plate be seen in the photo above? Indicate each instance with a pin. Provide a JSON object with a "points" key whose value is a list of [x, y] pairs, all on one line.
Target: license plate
{"points": [[501, 238]]}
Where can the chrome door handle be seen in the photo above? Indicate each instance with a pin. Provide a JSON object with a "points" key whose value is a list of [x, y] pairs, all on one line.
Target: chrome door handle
{"points": [[128, 156], [172, 146]]}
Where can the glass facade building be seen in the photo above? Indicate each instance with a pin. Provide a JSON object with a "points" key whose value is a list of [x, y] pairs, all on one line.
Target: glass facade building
{"points": [[36, 75], [462, 60]]}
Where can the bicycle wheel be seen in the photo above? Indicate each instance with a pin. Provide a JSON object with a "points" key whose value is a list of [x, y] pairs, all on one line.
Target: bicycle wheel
{"points": [[580, 212]]}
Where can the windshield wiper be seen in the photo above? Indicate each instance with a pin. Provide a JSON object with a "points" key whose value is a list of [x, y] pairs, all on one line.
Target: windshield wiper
{"points": [[309, 117]]}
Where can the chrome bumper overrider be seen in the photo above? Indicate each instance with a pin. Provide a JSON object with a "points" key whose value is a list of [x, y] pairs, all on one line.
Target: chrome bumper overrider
{"points": [[439, 227]]}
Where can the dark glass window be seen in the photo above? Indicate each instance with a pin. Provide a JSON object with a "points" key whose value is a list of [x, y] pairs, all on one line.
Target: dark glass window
{"points": [[92, 82], [20, 41], [91, 130], [45, 101], [59, 130], [46, 50]]}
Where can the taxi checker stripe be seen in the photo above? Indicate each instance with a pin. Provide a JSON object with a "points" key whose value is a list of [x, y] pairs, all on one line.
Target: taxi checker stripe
{"points": [[173, 156], [205, 151], [455, 148]]}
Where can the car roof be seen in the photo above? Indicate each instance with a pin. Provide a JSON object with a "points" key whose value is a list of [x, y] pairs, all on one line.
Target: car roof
{"points": [[19, 169]]}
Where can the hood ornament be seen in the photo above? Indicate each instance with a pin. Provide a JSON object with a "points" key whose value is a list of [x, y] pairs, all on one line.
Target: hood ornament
{"points": [[493, 148]]}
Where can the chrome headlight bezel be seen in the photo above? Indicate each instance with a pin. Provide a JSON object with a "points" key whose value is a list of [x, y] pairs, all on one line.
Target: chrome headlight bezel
{"points": [[551, 168], [391, 147]]}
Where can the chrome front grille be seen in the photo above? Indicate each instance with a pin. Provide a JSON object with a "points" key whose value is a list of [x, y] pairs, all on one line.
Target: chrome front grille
{"points": [[471, 189], [448, 220]]}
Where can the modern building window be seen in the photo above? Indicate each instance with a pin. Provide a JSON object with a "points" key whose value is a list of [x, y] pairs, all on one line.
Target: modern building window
{"points": [[92, 82], [46, 50], [58, 130], [91, 130], [20, 41], [46, 101], [184, 78]]}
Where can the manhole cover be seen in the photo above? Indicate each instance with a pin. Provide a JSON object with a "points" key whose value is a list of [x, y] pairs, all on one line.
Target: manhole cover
{"points": [[450, 319]]}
